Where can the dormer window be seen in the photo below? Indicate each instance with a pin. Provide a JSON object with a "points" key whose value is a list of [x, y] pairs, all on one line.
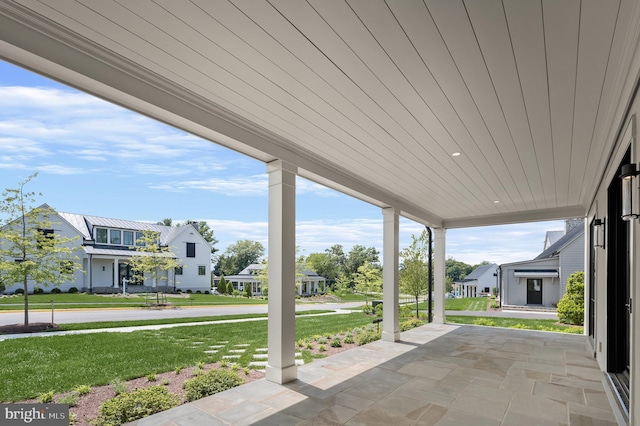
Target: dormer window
{"points": [[101, 236], [116, 236]]}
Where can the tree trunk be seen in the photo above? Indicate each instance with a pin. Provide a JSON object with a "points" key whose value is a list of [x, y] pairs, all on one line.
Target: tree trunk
{"points": [[26, 302], [417, 310]]}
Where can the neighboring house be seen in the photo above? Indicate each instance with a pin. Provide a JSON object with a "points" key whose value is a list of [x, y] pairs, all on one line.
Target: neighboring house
{"points": [[543, 280], [481, 281], [311, 284], [104, 246]]}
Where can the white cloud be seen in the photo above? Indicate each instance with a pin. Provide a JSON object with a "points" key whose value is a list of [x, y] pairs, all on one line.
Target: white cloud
{"points": [[60, 170]]}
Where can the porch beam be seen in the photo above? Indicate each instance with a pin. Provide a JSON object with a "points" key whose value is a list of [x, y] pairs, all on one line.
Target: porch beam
{"points": [[439, 289], [390, 288], [281, 366]]}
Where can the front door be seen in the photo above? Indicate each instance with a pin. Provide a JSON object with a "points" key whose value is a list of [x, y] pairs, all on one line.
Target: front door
{"points": [[124, 271], [534, 291]]}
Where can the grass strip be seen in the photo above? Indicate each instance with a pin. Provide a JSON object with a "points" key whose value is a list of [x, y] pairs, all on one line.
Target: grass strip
{"points": [[32, 366], [519, 323], [135, 323]]}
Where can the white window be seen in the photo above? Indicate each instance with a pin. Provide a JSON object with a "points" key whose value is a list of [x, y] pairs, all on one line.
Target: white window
{"points": [[127, 238]]}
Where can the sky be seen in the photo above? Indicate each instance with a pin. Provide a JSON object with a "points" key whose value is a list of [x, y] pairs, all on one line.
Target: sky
{"points": [[96, 158]]}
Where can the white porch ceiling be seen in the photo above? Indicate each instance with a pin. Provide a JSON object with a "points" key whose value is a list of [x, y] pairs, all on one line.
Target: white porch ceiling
{"points": [[366, 96]]}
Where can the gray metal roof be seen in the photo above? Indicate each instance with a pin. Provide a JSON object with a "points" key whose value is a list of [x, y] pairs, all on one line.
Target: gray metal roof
{"points": [[85, 223], [479, 271], [553, 237]]}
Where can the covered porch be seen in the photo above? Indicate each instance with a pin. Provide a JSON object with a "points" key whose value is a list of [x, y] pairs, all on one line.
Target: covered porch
{"points": [[444, 374]]}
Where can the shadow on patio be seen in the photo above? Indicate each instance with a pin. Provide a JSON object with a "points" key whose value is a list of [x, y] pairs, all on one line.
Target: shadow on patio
{"points": [[438, 374]]}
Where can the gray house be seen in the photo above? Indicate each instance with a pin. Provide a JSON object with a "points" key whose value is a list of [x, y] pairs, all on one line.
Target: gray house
{"points": [[542, 281], [481, 281]]}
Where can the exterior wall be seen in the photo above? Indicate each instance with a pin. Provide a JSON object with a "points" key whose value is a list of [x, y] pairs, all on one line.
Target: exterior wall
{"points": [[571, 260], [487, 280], [61, 228], [190, 279], [514, 289]]}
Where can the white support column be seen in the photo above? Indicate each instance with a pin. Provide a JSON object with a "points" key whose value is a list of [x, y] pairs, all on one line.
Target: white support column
{"points": [[281, 367], [439, 275], [390, 292], [116, 277]]}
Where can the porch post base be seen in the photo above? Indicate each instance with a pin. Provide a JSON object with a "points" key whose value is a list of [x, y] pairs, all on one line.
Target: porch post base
{"points": [[281, 375], [391, 337]]}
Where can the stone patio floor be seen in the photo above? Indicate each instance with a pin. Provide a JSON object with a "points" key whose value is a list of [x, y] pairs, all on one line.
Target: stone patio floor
{"points": [[436, 375]]}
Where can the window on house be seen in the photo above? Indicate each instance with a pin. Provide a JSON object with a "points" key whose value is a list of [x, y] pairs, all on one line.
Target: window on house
{"points": [[487, 289], [101, 236], [202, 270], [116, 236], [178, 270], [43, 234], [139, 241], [127, 238], [191, 250]]}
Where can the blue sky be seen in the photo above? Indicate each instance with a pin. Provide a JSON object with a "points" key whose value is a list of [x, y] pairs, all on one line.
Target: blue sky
{"points": [[96, 158]]}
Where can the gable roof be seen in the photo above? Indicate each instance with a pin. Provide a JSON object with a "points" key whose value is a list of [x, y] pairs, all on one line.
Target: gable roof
{"points": [[555, 248], [478, 272], [552, 238]]}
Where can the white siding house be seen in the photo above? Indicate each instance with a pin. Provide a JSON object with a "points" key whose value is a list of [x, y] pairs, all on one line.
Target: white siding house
{"points": [[543, 280], [105, 245], [308, 285], [481, 281]]}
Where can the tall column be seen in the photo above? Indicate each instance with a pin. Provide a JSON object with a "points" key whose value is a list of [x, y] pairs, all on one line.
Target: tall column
{"points": [[115, 273], [281, 367], [439, 275], [390, 292]]}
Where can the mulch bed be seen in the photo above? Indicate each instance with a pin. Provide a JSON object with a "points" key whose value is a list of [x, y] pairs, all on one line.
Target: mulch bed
{"points": [[34, 327]]}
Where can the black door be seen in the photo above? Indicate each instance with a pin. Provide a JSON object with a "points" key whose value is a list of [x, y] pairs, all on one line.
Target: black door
{"points": [[534, 291], [618, 288]]}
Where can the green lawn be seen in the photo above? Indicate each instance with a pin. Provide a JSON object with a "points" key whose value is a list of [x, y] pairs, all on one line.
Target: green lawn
{"points": [[32, 366], [83, 301], [526, 324]]}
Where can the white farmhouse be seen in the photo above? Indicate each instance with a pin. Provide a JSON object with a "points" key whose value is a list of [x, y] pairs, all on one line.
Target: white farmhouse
{"points": [[104, 247], [308, 284], [481, 281]]}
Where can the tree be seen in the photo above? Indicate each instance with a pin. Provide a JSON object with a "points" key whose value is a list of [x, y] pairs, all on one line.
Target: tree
{"points": [[457, 270], [414, 277], [30, 249], [368, 279], [325, 265], [152, 259], [238, 256], [358, 256], [165, 222], [222, 286], [571, 306], [343, 285]]}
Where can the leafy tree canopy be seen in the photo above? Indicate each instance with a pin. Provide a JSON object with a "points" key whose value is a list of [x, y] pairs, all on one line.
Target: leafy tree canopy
{"points": [[238, 256]]}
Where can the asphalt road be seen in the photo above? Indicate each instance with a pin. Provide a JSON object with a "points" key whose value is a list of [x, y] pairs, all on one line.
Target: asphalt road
{"points": [[123, 314]]}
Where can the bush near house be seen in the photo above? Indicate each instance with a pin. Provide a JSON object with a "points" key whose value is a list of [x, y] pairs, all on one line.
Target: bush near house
{"points": [[571, 306], [211, 382], [130, 406]]}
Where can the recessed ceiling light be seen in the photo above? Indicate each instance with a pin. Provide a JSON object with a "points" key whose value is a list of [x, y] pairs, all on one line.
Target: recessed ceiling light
{"points": [[496, 202], [456, 154]]}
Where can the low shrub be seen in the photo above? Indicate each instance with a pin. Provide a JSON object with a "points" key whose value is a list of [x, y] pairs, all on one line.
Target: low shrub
{"points": [[72, 290], [410, 323], [151, 377], [378, 310], [119, 386], [46, 397], [336, 343], [494, 305], [38, 290], [19, 291], [571, 306], [189, 291], [349, 339], [367, 336], [321, 348], [198, 292], [367, 309], [405, 311], [82, 389], [485, 321], [140, 403], [207, 292], [55, 290], [210, 383]]}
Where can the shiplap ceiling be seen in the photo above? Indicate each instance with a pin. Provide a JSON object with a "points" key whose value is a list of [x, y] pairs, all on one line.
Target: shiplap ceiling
{"points": [[370, 97]]}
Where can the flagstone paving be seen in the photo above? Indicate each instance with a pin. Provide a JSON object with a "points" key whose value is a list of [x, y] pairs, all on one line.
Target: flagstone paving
{"points": [[436, 375]]}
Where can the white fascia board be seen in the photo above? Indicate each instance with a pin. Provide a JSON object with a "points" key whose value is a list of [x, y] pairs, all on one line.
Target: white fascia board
{"points": [[518, 217]]}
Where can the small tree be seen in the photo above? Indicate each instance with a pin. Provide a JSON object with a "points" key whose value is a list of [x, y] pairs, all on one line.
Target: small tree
{"points": [[414, 277], [571, 306], [368, 279], [222, 286], [152, 258], [247, 290], [30, 249]]}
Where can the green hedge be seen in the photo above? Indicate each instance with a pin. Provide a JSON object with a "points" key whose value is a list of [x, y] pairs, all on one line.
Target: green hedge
{"points": [[135, 405], [571, 306]]}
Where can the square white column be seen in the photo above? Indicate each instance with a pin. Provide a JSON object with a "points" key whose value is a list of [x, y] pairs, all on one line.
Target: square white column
{"points": [[281, 367], [439, 275], [390, 285]]}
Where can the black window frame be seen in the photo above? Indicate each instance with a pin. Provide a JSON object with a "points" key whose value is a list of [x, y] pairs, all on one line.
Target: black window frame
{"points": [[191, 249]]}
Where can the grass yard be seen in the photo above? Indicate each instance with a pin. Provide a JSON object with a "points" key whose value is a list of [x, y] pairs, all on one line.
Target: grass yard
{"points": [[520, 323], [32, 366], [83, 301]]}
